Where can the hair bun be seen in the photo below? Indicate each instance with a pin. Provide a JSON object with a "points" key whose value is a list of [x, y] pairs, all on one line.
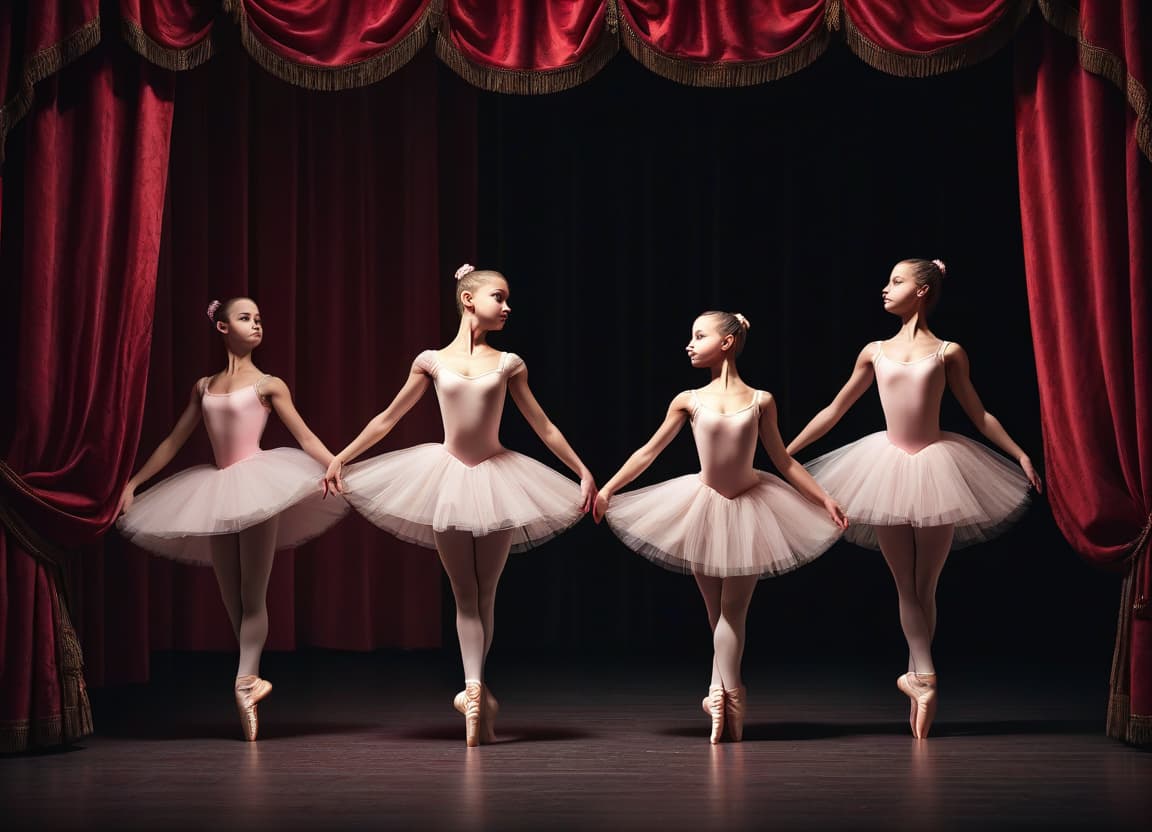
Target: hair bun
{"points": [[940, 265], [465, 270], [212, 307], [743, 321]]}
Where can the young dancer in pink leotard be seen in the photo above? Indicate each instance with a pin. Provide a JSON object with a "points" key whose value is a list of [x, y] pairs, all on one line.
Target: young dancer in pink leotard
{"points": [[237, 513], [469, 498], [912, 490], [729, 525]]}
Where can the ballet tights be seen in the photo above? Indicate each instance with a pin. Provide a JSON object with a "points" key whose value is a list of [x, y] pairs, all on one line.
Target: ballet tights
{"points": [[474, 566], [916, 557], [243, 562], [727, 600]]}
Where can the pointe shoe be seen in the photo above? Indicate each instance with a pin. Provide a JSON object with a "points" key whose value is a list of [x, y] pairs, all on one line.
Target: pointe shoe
{"points": [[713, 705], [921, 689], [249, 691], [735, 704], [487, 718], [473, 708]]}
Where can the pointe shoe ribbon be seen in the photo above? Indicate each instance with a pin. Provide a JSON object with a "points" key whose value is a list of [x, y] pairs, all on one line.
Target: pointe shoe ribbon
{"points": [[250, 690]]}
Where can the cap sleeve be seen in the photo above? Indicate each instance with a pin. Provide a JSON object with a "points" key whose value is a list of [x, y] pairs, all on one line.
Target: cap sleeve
{"points": [[426, 362], [514, 365]]}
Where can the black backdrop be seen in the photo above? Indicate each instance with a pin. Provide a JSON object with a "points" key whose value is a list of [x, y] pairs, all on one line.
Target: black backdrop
{"points": [[625, 207]]}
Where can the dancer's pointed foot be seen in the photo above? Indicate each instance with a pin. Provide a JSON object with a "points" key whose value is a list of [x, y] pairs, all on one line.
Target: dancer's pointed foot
{"points": [[249, 691], [713, 705], [488, 715], [735, 704], [473, 710], [921, 689]]}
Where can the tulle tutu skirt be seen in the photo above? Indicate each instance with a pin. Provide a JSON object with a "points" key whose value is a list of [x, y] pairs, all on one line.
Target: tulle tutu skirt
{"points": [[953, 480], [685, 526], [176, 517], [415, 492]]}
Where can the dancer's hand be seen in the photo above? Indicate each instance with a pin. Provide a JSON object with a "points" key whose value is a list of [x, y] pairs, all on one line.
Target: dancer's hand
{"points": [[1031, 474], [334, 477], [588, 493], [600, 507], [836, 513], [127, 496]]}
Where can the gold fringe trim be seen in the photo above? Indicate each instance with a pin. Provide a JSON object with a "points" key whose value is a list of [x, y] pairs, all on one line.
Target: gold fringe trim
{"points": [[1100, 61], [939, 61], [329, 79], [529, 81], [725, 73], [175, 59], [75, 718], [47, 61]]}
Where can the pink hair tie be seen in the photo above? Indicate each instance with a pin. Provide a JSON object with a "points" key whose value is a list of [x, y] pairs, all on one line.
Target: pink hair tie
{"points": [[742, 321], [465, 270], [940, 265], [212, 307]]}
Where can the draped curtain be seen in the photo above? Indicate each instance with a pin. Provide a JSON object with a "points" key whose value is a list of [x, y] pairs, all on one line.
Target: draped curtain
{"points": [[90, 213]]}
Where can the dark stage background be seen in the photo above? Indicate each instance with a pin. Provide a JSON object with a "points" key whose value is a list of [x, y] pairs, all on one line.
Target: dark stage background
{"points": [[621, 209]]}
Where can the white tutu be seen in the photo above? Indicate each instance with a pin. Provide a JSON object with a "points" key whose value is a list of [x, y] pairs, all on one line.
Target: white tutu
{"points": [[953, 480], [417, 491], [685, 526], [176, 517]]}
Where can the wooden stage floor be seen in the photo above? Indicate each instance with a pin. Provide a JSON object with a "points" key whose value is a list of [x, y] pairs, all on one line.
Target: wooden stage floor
{"points": [[371, 741]]}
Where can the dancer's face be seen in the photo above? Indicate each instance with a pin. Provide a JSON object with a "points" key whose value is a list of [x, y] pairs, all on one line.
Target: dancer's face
{"points": [[490, 303], [901, 295], [707, 347], [244, 328]]}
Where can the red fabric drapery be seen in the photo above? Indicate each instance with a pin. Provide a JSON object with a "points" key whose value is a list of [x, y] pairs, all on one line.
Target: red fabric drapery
{"points": [[1086, 221], [86, 269], [549, 46]]}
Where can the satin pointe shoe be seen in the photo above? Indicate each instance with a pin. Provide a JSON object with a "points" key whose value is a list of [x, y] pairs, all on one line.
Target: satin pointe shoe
{"points": [[735, 704], [249, 691], [488, 716], [473, 707], [921, 689], [713, 705]]}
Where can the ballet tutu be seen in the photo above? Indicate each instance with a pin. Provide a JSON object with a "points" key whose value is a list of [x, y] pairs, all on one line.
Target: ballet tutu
{"points": [[418, 491], [953, 480], [176, 517], [685, 526]]}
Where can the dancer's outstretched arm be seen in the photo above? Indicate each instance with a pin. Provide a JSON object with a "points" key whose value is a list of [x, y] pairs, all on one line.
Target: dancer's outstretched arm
{"points": [[789, 468], [164, 452], [277, 393], [551, 436], [678, 413], [957, 368], [378, 427], [860, 380]]}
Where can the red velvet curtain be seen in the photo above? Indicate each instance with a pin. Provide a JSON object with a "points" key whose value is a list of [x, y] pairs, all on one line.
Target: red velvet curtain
{"points": [[1084, 187], [80, 245]]}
